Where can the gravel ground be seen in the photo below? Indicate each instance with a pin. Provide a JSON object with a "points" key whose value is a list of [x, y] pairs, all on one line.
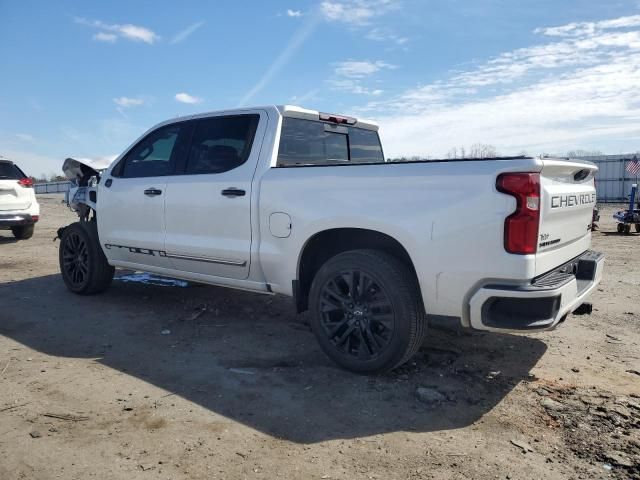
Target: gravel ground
{"points": [[200, 382]]}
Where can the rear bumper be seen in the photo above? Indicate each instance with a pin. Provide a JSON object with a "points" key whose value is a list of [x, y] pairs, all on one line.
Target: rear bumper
{"points": [[540, 304], [8, 220]]}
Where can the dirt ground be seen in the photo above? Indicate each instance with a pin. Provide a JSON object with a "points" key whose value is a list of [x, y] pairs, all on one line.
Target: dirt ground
{"points": [[198, 382]]}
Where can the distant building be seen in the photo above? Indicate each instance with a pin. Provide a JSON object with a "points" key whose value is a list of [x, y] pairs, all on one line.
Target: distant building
{"points": [[613, 182]]}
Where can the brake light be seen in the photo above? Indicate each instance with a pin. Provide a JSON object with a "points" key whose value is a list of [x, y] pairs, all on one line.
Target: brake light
{"points": [[328, 117], [521, 227], [25, 182]]}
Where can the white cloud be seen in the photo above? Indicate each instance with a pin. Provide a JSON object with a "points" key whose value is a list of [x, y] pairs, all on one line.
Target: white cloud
{"points": [[180, 36], [348, 76], [186, 98], [137, 33], [294, 13], [356, 12], [105, 37], [588, 28], [127, 102], [360, 69], [379, 34], [577, 90], [361, 14], [127, 31]]}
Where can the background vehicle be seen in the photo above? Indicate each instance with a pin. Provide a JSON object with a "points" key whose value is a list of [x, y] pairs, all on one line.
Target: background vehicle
{"points": [[630, 216], [19, 209], [293, 201]]}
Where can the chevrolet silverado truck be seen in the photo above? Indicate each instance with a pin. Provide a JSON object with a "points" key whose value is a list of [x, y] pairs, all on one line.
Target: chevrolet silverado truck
{"points": [[285, 200]]}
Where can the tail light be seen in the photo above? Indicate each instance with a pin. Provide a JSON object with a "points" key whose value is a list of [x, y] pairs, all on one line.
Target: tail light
{"points": [[521, 227], [26, 182]]}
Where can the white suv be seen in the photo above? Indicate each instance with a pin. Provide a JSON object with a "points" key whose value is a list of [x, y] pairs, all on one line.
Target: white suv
{"points": [[19, 209]]}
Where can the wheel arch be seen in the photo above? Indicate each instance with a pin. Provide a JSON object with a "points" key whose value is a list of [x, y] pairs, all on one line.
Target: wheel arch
{"points": [[327, 243]]}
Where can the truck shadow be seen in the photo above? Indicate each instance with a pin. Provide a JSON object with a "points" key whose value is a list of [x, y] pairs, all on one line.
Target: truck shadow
{"points": [[249, 358]]}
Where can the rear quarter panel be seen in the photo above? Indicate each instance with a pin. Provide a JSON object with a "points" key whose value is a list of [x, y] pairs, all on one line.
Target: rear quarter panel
{"points": [[447, 215]]}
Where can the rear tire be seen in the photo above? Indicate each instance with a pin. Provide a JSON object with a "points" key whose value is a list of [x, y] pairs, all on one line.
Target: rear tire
{"points": [[627, 229], [620, 228], [366, 311], [23, 232], [638, 227], [83, 266]]}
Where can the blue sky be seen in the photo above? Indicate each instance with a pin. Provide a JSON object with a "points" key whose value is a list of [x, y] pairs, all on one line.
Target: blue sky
{"points": [[87, 78]]}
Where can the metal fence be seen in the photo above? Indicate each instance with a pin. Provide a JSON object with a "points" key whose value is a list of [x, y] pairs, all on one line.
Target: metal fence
{"points": [[52, 187], [613, 182]]}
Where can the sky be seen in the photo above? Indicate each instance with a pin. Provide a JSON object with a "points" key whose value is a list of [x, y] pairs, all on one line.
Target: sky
{"points": [[86, 79]]}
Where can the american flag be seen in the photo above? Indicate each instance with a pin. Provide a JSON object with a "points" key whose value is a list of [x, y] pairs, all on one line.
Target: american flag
{"points": [[633, 167]]}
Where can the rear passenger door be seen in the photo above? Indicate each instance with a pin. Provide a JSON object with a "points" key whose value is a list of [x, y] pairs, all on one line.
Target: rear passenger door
{"points": [[208, 204]]}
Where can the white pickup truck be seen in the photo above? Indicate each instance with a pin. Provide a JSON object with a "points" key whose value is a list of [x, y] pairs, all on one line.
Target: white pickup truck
{"points": [[284, 200]]}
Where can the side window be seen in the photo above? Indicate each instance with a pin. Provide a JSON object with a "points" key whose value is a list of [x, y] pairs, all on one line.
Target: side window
{"points": [[365, 146], [305, 142], [220, 144], [153, 155]]}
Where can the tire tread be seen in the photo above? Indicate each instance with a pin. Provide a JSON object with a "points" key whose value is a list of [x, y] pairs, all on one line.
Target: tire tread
{"points": [[23, 232], [100, 273]]}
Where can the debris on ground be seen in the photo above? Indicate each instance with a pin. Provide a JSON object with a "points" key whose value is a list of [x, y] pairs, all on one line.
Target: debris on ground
{"points": [[199, 311], [524, 446], [151, 279], [596, 424], [66, 416], [430, 395], [242, 371]]}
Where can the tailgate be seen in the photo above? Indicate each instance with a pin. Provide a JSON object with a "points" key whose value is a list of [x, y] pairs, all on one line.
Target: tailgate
{"points": [[568, 196], [13, 196]]}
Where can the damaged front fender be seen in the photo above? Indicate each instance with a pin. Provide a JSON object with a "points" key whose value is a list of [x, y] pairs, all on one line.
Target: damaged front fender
{"points": [[84, 175]]}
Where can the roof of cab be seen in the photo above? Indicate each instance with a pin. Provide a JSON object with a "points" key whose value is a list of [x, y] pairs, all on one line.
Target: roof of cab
{"points": [[304, 113], [284, 110]]}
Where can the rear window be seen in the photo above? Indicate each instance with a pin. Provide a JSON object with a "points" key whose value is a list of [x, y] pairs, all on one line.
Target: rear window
{"points": [[8, 171], [307, 142]]}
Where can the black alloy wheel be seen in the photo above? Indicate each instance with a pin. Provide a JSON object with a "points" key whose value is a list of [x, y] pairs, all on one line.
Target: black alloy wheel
{"points": [[366, 311], [75, 259], [357, 315], [83, 265]]}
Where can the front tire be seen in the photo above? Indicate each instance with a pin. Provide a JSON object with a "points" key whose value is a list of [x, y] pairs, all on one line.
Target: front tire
{"points": [[23, 232], [83, 266], [366, 311]]}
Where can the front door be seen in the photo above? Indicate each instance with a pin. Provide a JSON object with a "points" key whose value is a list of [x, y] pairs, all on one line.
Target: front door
{"points": [[131, 198], [208, 206]]}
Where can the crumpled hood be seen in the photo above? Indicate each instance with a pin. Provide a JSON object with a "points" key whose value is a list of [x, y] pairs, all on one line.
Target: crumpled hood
{"points": [[83, 168]]}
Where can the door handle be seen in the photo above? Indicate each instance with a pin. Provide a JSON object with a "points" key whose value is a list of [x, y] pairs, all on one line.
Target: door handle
{"points": [[233, 192], [152, 192]]}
